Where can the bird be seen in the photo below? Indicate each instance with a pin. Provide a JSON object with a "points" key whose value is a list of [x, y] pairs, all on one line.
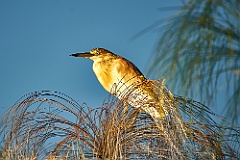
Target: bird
{"points": [[123, 79]]}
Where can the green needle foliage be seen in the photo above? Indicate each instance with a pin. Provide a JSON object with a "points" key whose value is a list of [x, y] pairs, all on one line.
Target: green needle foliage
{"points": [[199, 53], [52, 125]]}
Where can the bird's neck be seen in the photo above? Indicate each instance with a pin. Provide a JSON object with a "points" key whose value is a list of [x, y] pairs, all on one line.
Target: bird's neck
{"points": [[116, 74]]}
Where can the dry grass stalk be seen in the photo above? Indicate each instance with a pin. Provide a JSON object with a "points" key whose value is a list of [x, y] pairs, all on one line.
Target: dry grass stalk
{"points": [[52, 125]]}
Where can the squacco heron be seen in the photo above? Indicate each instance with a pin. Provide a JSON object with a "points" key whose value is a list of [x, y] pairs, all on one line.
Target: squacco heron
{"points": [[118, 76]]}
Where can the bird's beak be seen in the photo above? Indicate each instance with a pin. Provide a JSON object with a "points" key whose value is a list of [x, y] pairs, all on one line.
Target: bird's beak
{"points": [[85, 55]]}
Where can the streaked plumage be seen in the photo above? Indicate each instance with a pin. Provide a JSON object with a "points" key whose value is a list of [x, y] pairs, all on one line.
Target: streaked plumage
{"points": [[119, 76]]}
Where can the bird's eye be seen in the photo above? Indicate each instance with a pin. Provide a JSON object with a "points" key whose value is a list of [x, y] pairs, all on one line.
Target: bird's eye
{"points": [[97, 52]]}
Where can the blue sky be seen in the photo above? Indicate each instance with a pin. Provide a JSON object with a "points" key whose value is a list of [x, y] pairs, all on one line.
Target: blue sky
{"points": [[36, 38]]}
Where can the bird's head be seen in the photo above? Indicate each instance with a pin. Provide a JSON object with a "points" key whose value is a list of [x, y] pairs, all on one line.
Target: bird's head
{"points": [[95, 53]]}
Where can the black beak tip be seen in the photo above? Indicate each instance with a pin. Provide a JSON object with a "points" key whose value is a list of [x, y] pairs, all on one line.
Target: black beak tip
{"points": [[84, 55], [73, 55]]}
